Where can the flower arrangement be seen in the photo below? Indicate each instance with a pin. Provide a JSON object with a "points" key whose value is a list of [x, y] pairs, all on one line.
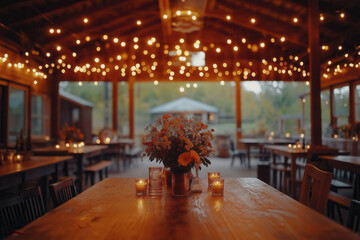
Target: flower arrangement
{"points": [[70, 134], [178, 142]]}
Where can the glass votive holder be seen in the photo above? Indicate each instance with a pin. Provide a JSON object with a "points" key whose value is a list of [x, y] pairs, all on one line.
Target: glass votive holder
{"points": [[217, 187], [141, 186], [212, 176], [2, 155], [155, 180], [167, 178], [10, 155]]}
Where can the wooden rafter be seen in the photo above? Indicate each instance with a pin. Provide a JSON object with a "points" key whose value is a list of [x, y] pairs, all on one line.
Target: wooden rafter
{"points": [[103, 27], [77, 6], [164, 6], [269, 27]]}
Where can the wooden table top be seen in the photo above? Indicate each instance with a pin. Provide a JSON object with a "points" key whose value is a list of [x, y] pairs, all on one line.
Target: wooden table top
{"points": [[121, 141], [32, 163], [68, 151], [285, 149], [249, 209], [259, 141], [350, 163]]}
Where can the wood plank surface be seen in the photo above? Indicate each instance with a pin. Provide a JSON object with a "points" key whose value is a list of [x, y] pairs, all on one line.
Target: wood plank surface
{"points": [[249, 209], [348, 163], [33, 163], [61, 151]]}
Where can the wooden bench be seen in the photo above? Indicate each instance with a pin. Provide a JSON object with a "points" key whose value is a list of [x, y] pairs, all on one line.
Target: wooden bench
{"points": [[97, 167], [133, 153]]}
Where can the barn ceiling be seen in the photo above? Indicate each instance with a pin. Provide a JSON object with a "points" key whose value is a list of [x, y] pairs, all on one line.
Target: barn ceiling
{"points": [[155, 39]]}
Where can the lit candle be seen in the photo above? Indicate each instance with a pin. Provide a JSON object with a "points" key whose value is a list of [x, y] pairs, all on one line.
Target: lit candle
{"points": [[67, 145], [217, 188], [141, 186], [289, 146], [212, 176], [107, 140], [98, 141], [57, 146], [18, 157]]}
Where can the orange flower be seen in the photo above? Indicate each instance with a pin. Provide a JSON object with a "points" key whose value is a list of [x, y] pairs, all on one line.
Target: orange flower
{"points": [[184, 159], [195, 156], [187, 157]]}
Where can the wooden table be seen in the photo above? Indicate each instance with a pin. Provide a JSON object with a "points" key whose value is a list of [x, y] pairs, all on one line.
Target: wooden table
{"points": [[347, 163], [12, 174], [260, 142], [79, 154], [287, 154], [119, 147], [249, 209]]}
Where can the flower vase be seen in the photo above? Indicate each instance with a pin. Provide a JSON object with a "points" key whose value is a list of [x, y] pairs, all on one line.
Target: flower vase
{"points": [[180, 184]]}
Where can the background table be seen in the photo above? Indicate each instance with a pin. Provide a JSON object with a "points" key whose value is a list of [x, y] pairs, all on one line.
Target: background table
{"points": [[79, 154], [347, 163], [119, 148], [12, 174], [260, 142], [250, 209], [288, 154]]}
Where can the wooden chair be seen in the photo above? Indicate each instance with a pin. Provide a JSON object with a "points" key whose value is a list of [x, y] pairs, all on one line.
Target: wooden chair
{"points": [[315, 188], [62, 191], [354, 212], [18, 210], [241, 154]]}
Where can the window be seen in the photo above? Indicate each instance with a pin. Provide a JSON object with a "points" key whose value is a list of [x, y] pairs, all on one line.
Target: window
{"points": [[93, 102], [357, 103], [123, 109], [39, 116], [341, 105], [325, 113], [16, 113]]}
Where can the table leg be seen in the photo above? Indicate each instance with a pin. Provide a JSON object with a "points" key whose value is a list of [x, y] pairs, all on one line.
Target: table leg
{"points": [[248, 154], [45, 191], [285, 178], [293, 177], [118, 158], [356, 193], [79, 162]]}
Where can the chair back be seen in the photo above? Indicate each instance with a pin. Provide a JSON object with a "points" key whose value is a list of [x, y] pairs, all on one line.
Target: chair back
{"points": [[354, 212], [315, 188], [232, 145], [18, 210], [62, 191]]}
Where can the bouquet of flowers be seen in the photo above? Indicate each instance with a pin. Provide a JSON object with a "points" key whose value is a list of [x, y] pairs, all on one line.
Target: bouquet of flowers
{"points": [[178, 142], [70, 134]]}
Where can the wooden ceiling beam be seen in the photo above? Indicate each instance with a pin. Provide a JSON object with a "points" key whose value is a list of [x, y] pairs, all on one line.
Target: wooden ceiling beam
{"points": [[20, 4], [100, 28], [164, 6], [77, 6], [268, 27]]}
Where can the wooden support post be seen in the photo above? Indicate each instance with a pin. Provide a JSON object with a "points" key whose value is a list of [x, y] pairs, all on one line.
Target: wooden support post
{"points": [[55, 108], [331, 102], [131, 83], [352, 103], [115, 104], [238, 109], [315, 88], [237, 103]]}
